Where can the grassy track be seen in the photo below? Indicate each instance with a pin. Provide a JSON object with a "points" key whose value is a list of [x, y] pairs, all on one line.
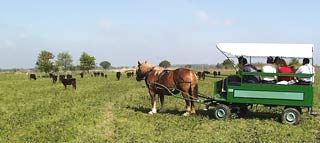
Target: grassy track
{"points": [[106, 110]]}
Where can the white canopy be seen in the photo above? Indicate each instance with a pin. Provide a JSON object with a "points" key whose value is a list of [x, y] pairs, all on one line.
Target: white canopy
{"points": [[267, 49]]}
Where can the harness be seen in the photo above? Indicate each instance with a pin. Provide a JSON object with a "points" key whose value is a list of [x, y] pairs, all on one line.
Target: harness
{"points": [[161, 74], [158, 78], [160, 86]]}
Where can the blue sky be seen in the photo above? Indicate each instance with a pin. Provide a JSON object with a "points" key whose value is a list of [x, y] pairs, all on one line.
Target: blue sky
{"points": [[125, 31]]}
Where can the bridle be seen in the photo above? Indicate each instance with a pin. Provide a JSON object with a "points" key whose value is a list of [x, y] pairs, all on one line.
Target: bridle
{"points": [[146, 74]]}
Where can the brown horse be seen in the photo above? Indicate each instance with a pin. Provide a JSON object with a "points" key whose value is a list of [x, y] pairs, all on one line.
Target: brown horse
{"points": [[181, 79]]}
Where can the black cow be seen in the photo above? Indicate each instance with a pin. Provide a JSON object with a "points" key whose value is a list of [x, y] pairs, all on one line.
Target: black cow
{"points": [[61, 77], [69, 81], [33, 76], [81, 74], [105, 76], [130, 74], [199, 74], [118, 75], [204, 74], [96, 74], [54, 78], [215, 73], [69, 76], [102, 74]]}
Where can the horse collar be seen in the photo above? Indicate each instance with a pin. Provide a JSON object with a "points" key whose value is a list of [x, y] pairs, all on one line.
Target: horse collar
{"points": [[147, 75]]}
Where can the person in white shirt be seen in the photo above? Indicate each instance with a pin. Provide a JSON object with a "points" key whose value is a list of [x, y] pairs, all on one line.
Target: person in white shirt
{"points": [[270, 67], [306, 68]]}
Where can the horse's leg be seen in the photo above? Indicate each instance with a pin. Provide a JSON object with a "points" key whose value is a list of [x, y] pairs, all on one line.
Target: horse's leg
{"points": [[162, 109], [153, 103], [194, 95], [188, 103]]}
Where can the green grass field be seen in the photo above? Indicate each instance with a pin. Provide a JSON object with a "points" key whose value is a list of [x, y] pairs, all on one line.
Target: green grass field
{"points": [[107, 110]]}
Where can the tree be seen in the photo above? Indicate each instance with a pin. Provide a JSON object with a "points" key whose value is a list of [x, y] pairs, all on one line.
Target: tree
{"points": [[227, 63], [294, 63], [219, 66], [64, 60], [165, 64], [188, 66], [44, 63], [87, 62], [105, 64], [55, 68]]}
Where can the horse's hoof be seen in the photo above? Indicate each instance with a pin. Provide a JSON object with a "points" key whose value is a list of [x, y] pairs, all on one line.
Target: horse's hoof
{"points": [[186, 114], [151, 113]]}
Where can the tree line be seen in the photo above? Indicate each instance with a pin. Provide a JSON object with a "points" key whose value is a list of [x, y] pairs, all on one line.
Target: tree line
{"points": [[46, 62]]}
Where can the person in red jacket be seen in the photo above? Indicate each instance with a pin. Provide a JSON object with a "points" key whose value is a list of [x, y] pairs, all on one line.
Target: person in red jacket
{"points": [[284, 68]]}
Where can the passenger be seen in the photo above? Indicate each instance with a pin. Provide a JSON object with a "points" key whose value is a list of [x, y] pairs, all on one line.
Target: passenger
{"points": [[276, 61], [243, 64], [306, 68], [284, 68], [270, 67]]}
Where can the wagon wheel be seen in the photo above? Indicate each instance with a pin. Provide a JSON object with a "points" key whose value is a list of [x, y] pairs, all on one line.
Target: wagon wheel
{"points": [[222, 112], [291, 116]]}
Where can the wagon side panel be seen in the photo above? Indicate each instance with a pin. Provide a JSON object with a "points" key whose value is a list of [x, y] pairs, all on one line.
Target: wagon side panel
{"points": [[269, 94]]}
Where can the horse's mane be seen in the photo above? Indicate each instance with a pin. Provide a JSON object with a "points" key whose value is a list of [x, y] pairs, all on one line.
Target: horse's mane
{"points": [[155, 68]]}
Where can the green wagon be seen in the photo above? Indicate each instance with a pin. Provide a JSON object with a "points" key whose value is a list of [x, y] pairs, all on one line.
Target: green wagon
{"points": [[228, 97]]}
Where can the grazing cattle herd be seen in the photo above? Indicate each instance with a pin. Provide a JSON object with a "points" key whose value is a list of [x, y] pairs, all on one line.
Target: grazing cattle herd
{"points": [[69, 80], [202, 75]]}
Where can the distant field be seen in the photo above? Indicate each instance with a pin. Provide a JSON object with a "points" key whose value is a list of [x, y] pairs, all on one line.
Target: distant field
{"points": [[107, 110]]}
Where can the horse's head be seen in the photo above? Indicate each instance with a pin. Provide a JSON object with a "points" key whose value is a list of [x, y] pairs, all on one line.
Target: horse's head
{"points": [[143, 69]]}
